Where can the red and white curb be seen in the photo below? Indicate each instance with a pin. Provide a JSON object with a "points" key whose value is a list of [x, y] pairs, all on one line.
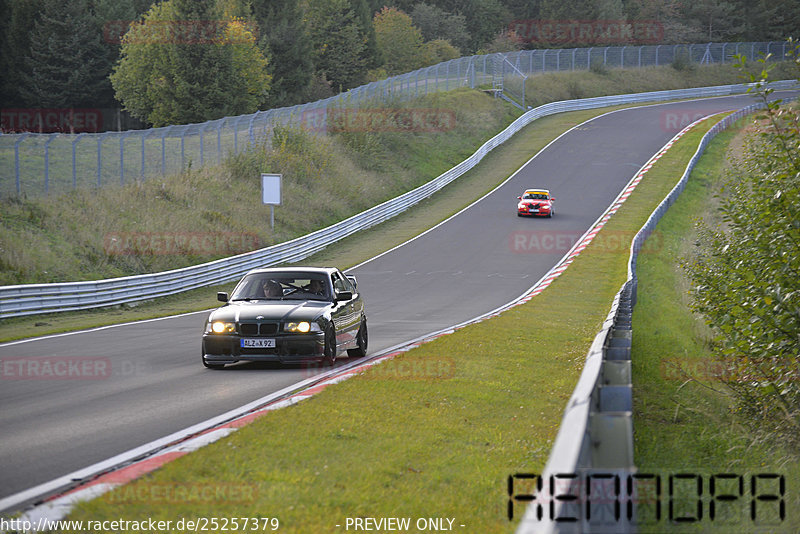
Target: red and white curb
{"points": [[58, 506]]}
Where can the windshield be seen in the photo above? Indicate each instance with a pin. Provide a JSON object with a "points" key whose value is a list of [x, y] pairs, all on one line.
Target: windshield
{"points": [[534, 196], [283, 286]]}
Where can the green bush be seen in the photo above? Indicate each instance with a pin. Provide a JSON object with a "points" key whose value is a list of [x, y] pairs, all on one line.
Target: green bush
{"points": [[747, 275]]}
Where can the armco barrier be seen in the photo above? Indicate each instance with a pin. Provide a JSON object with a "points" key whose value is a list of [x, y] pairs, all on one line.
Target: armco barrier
{"points": [[596, 433], [29, 299]]}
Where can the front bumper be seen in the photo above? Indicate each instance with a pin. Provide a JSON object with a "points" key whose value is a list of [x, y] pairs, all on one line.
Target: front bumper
{"points": [[543, 212], [221, 348]]}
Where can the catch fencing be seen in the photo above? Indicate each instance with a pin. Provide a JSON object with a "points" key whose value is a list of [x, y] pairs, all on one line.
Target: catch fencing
{"points": [[29, 299], [36, 164], [595, 438]]}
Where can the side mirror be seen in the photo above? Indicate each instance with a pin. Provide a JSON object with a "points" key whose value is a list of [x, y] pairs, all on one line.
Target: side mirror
{"points": [[519, 198], [353, 280], [222, 296], [552, 198], [344, 295]]}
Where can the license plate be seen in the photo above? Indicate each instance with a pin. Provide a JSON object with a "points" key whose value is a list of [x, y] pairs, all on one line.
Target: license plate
{"points": [[534, 210], [260, 343]]}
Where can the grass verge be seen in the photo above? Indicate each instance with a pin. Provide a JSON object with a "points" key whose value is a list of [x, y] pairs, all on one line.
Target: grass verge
{"points": [[398, 441], [684, 421]]}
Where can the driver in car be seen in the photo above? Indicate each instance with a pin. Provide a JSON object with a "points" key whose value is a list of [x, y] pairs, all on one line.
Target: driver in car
{"points": [[317, 288], [272, 289]]}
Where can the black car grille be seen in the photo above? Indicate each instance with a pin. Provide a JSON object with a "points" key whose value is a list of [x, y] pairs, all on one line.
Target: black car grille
{"points": [[258, 329]]}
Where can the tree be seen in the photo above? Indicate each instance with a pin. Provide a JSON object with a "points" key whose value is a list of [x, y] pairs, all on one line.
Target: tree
{"points": [[437, 51], [178, 66], [111, 19], [505, 41], [363, 13], [716, 20], [399, 41], [64, 66], [339, 46], [485, 18], [285, 37], [435, 23], [17, 18]]}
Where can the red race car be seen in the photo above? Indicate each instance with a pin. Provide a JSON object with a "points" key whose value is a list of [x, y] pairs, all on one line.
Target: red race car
{"points": [[535, 202]]}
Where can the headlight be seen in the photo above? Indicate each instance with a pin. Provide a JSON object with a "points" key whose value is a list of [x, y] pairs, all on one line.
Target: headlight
{"points": [[302, 327], [218, 327]]}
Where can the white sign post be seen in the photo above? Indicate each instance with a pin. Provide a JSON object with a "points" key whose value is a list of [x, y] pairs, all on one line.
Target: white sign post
{"points": [[271, 194]]}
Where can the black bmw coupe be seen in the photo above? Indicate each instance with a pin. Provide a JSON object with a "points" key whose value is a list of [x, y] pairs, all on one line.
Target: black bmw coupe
{"points": [[287, 315]]}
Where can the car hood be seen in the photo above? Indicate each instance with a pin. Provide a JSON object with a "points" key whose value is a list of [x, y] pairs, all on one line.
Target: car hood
{"points": [[287, 310]]}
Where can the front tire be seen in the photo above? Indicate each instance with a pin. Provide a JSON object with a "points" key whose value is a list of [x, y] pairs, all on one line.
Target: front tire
{"points": [[330, 347], [362, 338]]}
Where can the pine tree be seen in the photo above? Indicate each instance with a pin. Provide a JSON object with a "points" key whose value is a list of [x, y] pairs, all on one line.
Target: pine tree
{"points": [[285, 39], [339, 46], [65, 59]]}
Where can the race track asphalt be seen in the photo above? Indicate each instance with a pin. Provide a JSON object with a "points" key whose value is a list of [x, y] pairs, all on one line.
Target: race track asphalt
{"points": [[149, 381]]}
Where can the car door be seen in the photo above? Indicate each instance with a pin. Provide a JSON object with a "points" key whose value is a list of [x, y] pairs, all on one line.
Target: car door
{"points": [[347, 325]]}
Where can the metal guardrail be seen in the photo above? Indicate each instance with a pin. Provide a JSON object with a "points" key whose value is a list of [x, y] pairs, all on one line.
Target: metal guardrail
{"points": [[596, 433], [29, 299], [55, 163]]}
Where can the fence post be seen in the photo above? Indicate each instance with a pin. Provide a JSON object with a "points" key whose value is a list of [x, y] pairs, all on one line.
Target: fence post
{"points": [[122, 158], [622, 57], [574, 50], [202, 135], [19, 140], [163, 152], [143, 136], [183, 152], [100, 158], [47, 163], [589, 58], [74, 167], [250, 128], [657, 47], [219, 141]]}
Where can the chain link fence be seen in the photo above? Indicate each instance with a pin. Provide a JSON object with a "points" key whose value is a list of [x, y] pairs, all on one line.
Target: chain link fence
{"points": [[41, 164]]}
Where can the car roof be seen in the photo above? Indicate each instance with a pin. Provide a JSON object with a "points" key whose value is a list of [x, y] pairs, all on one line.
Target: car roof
{"points": [[539, 191], [314, 270]]}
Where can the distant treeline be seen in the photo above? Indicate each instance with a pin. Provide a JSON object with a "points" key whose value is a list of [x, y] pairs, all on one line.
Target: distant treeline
{"points": [[187, 61]]}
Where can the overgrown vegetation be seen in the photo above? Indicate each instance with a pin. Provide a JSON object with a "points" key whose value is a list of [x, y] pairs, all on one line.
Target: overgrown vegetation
{"points": [[746, 275], [685, 418]]}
